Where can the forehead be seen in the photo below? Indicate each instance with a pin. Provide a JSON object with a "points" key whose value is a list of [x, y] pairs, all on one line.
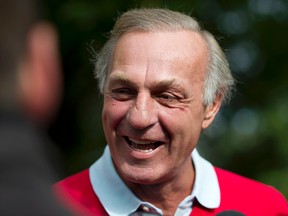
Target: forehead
{"points": [[160, 54], [181, 43]]}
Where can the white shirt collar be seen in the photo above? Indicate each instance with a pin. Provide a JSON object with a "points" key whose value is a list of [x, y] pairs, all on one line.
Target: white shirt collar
{"points": [[206, 187], [117, 198]]}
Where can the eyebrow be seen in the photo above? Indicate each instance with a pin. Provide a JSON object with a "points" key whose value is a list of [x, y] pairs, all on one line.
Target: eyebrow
{"points": [[168, 84], [163, 84], [120, 78], [157, 86]]}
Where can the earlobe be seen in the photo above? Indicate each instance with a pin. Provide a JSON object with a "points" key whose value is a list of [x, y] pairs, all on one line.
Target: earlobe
{"points": [[211, 111], [39, 74]]}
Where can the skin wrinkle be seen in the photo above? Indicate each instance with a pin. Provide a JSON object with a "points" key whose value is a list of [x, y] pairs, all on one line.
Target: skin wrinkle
{"points": [[136, 106], [120, 79]]}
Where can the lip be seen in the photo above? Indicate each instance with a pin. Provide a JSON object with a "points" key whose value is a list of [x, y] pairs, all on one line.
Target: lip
{"points": [[142, 148]]}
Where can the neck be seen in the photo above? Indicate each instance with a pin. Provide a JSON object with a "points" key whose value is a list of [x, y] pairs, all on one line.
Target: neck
{"points": [[168, 194]]}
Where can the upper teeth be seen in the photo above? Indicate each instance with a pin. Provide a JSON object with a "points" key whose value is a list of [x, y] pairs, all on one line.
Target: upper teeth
{"points": [[140, 142]]}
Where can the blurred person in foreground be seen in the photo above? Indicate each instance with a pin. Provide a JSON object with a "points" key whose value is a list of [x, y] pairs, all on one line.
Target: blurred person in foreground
{"points": [[163, 79], [30, 89]]}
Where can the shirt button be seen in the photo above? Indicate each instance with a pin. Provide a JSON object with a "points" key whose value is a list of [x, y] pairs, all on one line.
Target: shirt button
{"points": [[145, 209]]}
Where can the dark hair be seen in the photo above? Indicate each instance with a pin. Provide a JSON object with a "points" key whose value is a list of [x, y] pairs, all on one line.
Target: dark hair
{"points": [[16, 18]]}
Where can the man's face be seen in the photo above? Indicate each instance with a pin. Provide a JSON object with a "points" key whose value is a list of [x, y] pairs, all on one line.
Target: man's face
{"points": [[153, 112]]}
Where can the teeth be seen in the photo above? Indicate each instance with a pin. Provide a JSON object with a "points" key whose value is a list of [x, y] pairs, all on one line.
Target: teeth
{"points": [[139, 142], [136, 148], [142, 146]]}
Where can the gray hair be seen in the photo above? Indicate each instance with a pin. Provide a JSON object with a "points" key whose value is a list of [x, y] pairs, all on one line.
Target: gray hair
{"points": [[218, 80]]}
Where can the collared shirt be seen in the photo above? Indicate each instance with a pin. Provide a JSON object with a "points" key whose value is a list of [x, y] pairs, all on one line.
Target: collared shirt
{"points": [[119, 200]]}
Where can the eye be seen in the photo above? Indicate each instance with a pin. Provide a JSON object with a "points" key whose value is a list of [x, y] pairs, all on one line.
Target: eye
{"points": [[122, 93], [167, 98]]}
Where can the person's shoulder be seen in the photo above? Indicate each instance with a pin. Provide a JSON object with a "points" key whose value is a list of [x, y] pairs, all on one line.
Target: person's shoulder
{"points": [[75, 180], [239, 190], [74, 185], [76, 191], [238, 182]]}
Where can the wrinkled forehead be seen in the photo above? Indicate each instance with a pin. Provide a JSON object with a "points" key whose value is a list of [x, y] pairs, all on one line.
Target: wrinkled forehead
{"points": [[159, 56], [179, 49]]}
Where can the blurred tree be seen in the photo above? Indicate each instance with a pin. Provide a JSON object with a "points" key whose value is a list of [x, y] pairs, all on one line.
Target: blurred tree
{"points": [[249, 135]]}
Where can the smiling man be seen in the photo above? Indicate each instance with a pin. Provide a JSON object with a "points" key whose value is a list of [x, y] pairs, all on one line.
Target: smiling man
{"points": [[163, 81]]}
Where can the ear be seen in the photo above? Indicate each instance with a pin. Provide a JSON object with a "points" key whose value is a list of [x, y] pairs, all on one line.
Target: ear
{"points": [[211, 111], [39, 74]]}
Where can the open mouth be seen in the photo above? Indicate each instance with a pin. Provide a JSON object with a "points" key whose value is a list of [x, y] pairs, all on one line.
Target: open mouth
{"points": [[142, 146]]}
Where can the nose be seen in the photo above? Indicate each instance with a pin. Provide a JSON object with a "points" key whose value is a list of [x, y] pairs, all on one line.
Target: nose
{"points": [[143, 113]]}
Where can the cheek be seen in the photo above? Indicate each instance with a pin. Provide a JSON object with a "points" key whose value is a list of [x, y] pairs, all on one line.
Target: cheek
{"points": [[113, 112], [183, 126]]}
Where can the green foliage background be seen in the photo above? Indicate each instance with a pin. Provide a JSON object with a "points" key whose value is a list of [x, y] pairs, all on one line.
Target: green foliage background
{"points": [[249, 136]]}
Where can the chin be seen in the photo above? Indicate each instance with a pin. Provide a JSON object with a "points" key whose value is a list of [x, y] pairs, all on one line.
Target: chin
{"points": [[142, 175]]}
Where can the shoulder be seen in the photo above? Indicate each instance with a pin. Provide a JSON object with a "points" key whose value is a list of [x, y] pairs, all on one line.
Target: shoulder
{"points": [[234, 182], [249, 194], [77, 192], [78, 181]]}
